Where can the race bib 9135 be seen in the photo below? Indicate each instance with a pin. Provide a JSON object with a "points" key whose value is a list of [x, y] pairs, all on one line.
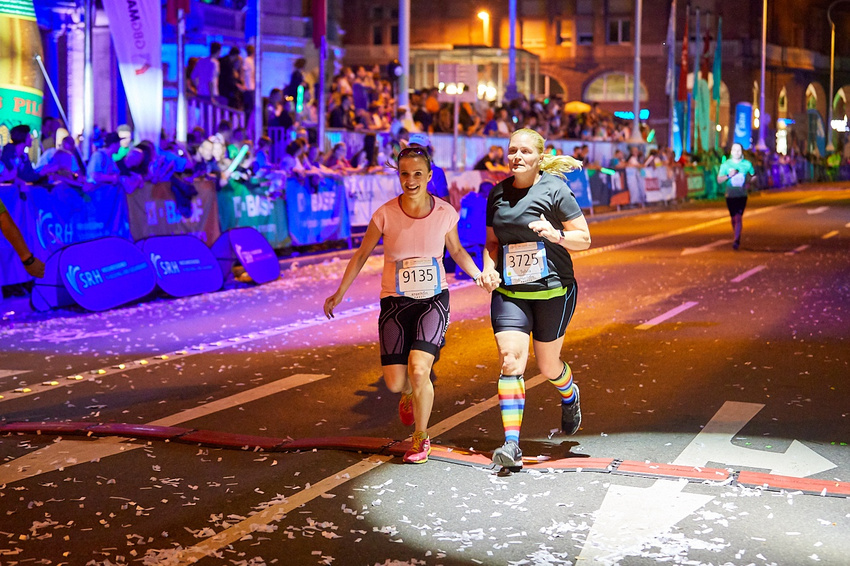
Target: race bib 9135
{"points": [[418, 278]]}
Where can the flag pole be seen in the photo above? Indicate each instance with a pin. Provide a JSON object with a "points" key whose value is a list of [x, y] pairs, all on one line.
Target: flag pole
{"points": [[182, 127], [258, 75], [671, 71], [637, 137]]}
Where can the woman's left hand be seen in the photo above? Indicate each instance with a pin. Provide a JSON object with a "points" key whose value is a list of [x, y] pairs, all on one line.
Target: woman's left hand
{"points": [[544, 229]]}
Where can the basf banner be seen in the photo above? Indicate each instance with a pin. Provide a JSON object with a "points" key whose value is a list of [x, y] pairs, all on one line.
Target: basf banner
{"points": [[136, 27]]}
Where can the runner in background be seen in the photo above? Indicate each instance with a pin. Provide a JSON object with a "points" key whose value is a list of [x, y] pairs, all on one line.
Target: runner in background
{"points": [[533, 220], [414, 317], [734, 176]]}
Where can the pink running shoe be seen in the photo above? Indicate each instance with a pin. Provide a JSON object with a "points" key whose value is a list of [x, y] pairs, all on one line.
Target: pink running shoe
{"points": [[418, 453], [405, 409]]}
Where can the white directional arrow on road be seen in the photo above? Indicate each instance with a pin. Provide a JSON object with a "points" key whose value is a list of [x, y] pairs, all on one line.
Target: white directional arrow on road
{"points": [[705, 248], [714, 444], [630, 517]]}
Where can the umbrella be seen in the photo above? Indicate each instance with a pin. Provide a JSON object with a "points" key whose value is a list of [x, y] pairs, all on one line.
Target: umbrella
{"points": [[576, 107]]}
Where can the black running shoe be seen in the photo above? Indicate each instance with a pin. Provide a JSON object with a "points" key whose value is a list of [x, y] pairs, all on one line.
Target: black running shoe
{"points": [[508, 456], [571, 414]]}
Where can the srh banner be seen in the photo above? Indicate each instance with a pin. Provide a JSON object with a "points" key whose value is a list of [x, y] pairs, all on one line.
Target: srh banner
{"points": [[136, 29], [62, 215]]}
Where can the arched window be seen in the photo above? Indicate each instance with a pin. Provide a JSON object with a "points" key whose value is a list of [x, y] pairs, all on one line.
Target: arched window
{"points": [[782, 103], [613, 87], [811, 98]]}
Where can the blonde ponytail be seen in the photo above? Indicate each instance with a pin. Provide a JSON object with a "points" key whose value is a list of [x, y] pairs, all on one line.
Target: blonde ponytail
{"points": [[559, 165]]}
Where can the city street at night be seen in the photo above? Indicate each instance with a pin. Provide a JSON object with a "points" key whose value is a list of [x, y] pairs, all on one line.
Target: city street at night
{"points": [[243, 427]]}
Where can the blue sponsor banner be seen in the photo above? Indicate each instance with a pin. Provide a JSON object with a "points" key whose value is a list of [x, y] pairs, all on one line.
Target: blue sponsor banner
{"points": [[678, 119], [251, 250], [580, 186], [242, 204], [183, 265], [817, 132], [317, 209], [64, 215], [49, 292], [11, 269], [743, 124], [105, 273]]}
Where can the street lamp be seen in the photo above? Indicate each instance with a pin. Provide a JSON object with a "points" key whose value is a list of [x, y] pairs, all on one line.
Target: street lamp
{"points": [[485, 20], [829, 146], [761, 145]]}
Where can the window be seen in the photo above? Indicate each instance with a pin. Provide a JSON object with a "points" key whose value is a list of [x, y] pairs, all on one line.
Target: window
{"points": [[377, 35], [584, 31], [621, 6], [533, 8], [533, 34], [564, 33], [394, 34], [584, 7], [613, 87], [798, 36], [377, 12], [619, 30]]}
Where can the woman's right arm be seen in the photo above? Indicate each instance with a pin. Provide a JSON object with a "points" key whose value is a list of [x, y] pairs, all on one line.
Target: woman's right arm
{"points": [[352, 270], [491, 247]]}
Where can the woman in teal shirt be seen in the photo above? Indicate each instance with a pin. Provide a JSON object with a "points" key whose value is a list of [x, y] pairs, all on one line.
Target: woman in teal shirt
{"points": [[734, 175]]}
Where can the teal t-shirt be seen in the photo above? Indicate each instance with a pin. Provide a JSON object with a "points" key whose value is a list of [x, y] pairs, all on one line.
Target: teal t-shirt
{"points": [[736, 185]]}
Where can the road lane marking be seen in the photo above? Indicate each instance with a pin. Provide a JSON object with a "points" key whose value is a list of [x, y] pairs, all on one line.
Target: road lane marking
{"points": [[11, 372], [798, 249], [705, 248], [818, 210], [685, 230], [275, 512], [631, 516], [667, 315], [202, 348], [66, 453], [829, 235], [194, 553], [746, 274]]}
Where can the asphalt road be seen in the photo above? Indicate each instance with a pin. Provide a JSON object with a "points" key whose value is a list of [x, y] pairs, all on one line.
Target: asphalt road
{"points": [[714, 393]]}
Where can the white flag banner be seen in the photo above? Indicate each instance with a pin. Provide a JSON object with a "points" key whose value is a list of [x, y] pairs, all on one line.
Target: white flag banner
{"points": [[136, 27]]}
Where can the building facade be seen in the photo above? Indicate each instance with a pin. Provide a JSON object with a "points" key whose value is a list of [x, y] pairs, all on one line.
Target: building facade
{"points": [[585, 50]]}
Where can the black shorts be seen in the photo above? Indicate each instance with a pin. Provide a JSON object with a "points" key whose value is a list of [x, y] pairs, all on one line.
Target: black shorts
{"points": [[736, 205], [545, 319], [407, 324]]}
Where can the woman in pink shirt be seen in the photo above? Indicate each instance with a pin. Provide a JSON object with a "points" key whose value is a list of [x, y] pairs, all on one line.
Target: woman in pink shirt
{"points": [[416, 227]]}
